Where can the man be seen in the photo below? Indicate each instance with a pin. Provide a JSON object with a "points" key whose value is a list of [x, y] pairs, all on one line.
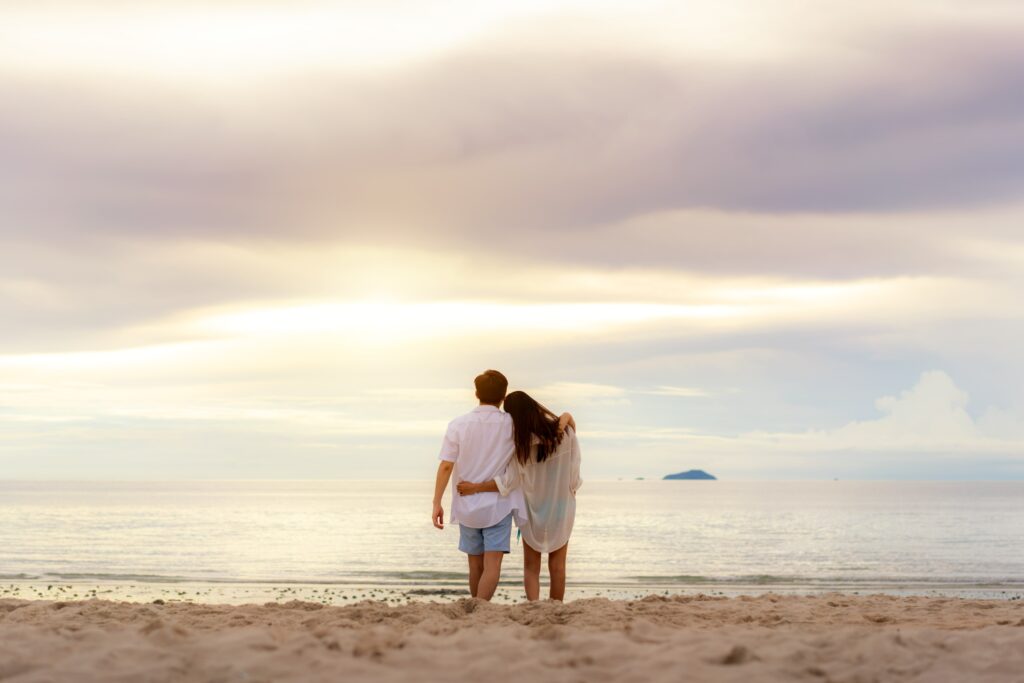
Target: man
{"points": [[477, 447]]}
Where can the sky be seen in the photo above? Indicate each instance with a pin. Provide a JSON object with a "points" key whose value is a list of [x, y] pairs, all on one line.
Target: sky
{"points": [[772, 240]]}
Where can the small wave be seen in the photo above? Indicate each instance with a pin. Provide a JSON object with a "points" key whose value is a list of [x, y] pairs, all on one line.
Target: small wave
{"points": [[439, 579], [416, 575], [392, 577], [139, 578], [773, 580], [756, 579]]}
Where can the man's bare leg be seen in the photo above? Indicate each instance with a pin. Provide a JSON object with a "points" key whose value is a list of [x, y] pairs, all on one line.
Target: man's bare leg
{"points": [[531, 572], [476, 570], [489, 579], [556, 569]]}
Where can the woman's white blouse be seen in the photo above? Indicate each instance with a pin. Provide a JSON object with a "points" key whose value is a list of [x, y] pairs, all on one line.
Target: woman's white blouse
{"points": [[549, 489]]}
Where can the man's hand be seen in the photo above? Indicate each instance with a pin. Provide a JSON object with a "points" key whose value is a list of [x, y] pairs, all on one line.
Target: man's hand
{"points": [[565, 420], [444, 473], [467, 488]]}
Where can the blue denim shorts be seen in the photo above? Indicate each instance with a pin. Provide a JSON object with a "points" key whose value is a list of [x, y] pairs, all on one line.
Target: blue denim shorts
{"points": [[493, 539]]}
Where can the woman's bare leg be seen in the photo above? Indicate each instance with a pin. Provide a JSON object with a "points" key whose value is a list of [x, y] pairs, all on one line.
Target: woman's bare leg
{"points": [[531, 572], [556, 569]]}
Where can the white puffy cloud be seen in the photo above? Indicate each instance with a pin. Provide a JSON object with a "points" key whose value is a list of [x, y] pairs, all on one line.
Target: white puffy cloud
{"points": [[931, 417], [923, 432], [932, 414]]}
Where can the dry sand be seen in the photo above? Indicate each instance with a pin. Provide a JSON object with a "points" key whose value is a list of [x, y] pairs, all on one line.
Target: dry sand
{"points": [[833, 637]]}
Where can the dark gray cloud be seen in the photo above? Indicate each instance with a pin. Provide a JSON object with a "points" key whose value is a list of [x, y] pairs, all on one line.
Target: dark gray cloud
{"points": [[480, 143], [824, 170]]}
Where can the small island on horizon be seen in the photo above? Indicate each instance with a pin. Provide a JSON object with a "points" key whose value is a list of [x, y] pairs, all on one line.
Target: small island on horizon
{"points": [[691, 474]]}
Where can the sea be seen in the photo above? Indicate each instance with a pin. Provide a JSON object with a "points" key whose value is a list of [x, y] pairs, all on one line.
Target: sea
{"points": [[338, 542]]}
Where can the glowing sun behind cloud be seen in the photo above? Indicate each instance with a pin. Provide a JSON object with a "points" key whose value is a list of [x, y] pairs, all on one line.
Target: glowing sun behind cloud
{"points": [[296, 230]]}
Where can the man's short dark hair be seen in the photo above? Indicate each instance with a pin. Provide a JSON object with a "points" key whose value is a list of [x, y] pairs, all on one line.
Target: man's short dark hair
{"points": [[491, 386]]}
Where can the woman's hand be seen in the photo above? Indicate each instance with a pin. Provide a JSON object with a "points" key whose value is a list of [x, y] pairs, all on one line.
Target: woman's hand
{"points": [[565, 420], [467, 488]]}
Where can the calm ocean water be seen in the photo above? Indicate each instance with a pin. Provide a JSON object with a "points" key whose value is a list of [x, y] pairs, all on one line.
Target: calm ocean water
{"points": [[952, 537]]}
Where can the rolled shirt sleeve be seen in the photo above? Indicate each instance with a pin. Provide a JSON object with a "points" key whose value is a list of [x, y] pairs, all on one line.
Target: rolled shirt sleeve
{"points": [[450, 445], [577, 481], [509, 480]]}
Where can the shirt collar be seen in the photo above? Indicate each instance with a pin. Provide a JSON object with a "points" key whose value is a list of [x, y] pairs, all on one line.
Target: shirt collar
{"points": [[485, 409]]}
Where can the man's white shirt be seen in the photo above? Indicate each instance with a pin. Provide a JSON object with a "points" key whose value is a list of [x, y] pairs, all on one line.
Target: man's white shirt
{"points": [[480, 444]]}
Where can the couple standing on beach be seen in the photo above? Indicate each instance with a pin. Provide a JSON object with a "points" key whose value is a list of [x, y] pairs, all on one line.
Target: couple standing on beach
{"points": [[522, 463]]}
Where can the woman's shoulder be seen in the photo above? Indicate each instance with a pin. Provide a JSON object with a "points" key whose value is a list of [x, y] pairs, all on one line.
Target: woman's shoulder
{"points": [[566, 442]]}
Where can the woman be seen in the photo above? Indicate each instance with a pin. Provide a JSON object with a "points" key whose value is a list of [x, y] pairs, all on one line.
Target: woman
{"points": [[547, 469]]}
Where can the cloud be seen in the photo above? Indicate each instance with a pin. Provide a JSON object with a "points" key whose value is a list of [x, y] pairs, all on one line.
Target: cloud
{"points": [[481, 144], [924, 432], [1003, 423], [579, 395], [580, 392], [121, 293], [930, 416], [614, 158], [680, 392], [634, 210]]}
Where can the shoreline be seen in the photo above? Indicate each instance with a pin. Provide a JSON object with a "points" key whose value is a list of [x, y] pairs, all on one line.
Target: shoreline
{"points": [[834, 636], [340, 593]]}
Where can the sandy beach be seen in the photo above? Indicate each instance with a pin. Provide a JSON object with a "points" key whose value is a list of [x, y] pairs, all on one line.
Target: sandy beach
{"points": [[833, 637]]}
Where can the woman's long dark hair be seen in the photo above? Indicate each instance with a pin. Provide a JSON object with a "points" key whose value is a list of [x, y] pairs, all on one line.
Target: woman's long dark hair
{"points": [[530, 419]]}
